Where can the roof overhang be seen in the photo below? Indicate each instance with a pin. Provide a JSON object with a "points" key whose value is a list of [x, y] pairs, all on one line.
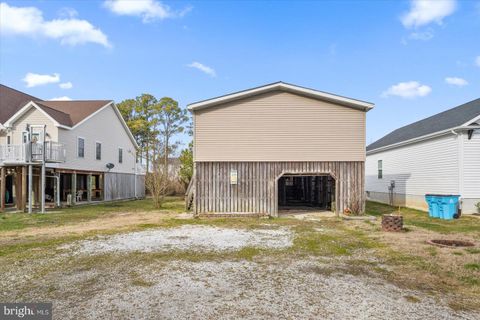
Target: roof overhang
{"points": [[24, 109], [286, 87], [454, 130], [32, 104]]}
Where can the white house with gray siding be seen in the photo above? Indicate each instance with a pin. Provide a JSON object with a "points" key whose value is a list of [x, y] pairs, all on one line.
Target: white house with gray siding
{"points": [[90, 153], [436, 155]]}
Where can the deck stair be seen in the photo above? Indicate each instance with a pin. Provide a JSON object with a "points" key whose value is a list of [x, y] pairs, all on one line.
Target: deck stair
{"points": [[190, 194]]}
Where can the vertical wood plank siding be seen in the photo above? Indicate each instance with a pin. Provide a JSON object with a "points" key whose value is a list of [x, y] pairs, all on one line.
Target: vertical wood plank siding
{"points": [[257, 188]]}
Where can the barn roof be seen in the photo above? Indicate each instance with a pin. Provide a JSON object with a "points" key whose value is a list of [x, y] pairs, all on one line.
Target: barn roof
{"points": [[282, 86]]}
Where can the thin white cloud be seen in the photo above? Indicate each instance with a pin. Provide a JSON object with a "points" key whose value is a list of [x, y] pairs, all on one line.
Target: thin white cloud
{"points": [[66, 85], [422, 35], [67, 12], [64, 98], [456, 81], [477, 61], [410, 89], [35, 79], [423, 12], [29, 21], [148, 10], [205, 69]]}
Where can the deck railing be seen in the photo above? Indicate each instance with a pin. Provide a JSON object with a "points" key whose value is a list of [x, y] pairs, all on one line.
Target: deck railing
{"points": [[54, 152], [22, 153], [13, 153]]}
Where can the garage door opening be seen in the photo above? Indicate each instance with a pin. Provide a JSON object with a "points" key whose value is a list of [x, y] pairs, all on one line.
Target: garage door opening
{"points": [[306, 192]]}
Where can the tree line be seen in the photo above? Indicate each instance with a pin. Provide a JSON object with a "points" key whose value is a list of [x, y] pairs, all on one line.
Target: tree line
{"points": [[155, 125]]}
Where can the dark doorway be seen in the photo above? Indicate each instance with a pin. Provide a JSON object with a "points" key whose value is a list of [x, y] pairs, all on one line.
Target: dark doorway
{"points": [[305, 192], [9, 189]]}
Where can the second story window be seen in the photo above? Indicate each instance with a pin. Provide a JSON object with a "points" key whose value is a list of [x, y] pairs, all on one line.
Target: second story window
{"points": [[81, 147], [98, 151], [380, 169], [120, 155]]}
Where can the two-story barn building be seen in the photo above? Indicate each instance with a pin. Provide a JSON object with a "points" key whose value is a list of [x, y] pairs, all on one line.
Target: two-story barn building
{"points": [[278, 146]]}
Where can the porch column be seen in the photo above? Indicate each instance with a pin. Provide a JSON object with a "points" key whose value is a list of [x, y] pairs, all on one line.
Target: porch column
{"points": [[23, 204], [18, 188], [89, 187], [74, 188], [57, 194], [2, 189]]}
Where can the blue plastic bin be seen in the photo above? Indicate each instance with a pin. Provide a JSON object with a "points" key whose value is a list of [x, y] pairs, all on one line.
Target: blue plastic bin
{"points": [[442, 206], [433, 211]]}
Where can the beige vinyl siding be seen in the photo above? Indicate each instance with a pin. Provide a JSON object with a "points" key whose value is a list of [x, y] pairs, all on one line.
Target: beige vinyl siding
{"points": [[279, 126], [33, 117], [104, 127]]}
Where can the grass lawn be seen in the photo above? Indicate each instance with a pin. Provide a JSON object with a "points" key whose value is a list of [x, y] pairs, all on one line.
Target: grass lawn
{"points": [[64, 216], [467, 224], [31, 250]]}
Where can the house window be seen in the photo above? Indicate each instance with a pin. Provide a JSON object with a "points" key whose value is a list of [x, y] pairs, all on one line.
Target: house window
{"points": [[81, 148], [98, 151], [380, 169], [8, 140], [120, 155]]}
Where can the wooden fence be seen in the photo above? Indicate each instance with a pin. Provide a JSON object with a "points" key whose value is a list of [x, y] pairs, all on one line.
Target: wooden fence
{"points": [[122, 186]]}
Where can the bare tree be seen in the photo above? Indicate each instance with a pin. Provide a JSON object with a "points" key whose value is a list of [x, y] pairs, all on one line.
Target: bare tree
{"points": [[157, 182]]}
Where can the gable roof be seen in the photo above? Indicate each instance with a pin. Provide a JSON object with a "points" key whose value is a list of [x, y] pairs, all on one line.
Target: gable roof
{"points": [[286, 87], [66, 114], [11, 101], [445, 120], [70, 113]]}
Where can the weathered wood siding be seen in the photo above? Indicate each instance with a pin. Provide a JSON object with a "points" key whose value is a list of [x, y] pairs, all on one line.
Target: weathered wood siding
{"points": [[257, 188], [122, 186]]}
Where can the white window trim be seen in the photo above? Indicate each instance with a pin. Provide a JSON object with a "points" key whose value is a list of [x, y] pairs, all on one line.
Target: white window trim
{"points": [[25, 133], [100, 150], [84, 147], [118, 155], [379, 168]]}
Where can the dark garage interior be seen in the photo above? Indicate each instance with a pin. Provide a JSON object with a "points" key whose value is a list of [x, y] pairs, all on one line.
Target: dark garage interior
{"points": [[306, 192]]}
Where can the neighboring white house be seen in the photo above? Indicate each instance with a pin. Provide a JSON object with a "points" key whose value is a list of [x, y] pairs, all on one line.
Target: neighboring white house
{"points": [[89, 151], [437, 155]]}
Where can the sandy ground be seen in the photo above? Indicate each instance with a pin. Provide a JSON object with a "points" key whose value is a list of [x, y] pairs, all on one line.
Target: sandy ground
{"points": [[117, 221], [188, 237]]}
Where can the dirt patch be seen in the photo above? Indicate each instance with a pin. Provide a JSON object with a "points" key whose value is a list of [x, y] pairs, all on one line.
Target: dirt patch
{"points": [[118, 221], [187, 237]]}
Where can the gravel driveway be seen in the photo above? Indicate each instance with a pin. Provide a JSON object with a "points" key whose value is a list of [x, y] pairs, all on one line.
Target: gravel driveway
{"points": [[253, 290], [133, 276]]}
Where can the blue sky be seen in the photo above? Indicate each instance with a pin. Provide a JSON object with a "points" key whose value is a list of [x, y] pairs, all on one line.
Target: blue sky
{"points": [[397, 54]]}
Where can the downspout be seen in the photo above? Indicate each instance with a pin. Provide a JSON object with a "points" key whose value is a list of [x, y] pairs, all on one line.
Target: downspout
{"points": [[135, 174], [460, 163]]}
